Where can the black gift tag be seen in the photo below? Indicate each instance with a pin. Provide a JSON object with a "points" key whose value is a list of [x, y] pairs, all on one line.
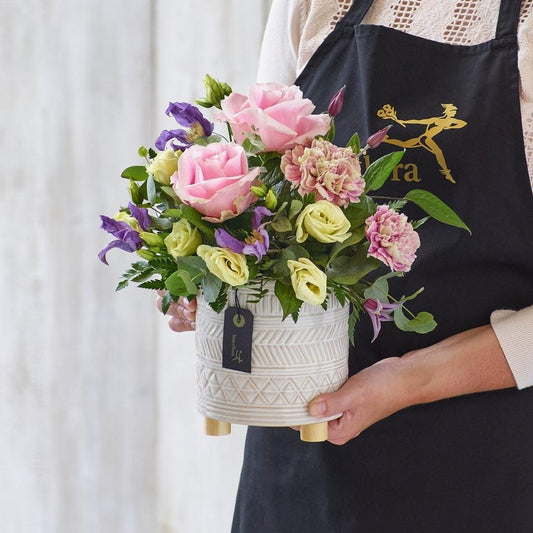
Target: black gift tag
{"points": [[237, 340]]}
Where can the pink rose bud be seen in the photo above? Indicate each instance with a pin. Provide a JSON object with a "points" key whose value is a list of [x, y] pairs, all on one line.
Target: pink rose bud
{"points": [[377, 138], [335, 105]]}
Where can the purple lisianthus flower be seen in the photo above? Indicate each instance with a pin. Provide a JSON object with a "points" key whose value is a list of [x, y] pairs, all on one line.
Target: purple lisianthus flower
{"points": [[127, 238], [141, 215], [379, 312], [188, 116], [257, 243]]}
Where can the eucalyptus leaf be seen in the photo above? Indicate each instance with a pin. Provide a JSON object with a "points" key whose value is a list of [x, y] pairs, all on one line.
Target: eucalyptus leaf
{"points": [[358, 213], [150, 189], [281, 223], [378, 172], [176, 285], [137, 173], [436, 208], [356, 237], [193, 265], [422, 323], [211, 286], [348, 269], [379, 290], [295, 208]]}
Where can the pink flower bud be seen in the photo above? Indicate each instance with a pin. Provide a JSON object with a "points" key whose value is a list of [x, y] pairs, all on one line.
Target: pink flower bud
{"points": [[335, 105], [377, 138]]}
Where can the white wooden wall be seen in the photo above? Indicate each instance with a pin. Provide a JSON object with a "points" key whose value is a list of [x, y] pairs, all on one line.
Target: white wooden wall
{"points": [[98, 432]]}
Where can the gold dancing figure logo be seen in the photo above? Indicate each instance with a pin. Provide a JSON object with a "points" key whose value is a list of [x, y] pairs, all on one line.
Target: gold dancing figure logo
{"points": [[434, 126]]}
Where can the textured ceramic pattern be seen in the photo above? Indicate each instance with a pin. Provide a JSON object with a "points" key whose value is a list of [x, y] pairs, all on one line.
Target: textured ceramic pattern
{"points": [[291, 363]]}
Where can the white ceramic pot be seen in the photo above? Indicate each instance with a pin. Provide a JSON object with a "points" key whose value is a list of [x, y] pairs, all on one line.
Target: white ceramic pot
{"points": [[292, 363]]}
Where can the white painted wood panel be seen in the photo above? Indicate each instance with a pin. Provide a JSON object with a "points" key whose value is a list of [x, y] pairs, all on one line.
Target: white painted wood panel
{"points": [[98, 431], [77, 379], [198, 475]]}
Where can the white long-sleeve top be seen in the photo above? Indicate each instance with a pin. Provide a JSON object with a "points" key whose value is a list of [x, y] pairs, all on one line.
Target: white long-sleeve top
{"points": [[296, 28]]}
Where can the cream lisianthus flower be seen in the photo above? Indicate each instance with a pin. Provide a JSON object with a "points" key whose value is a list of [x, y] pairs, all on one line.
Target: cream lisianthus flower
{"points": [[229, 266], [308, 281], [323, 221], [164, 165], [184, 239]]}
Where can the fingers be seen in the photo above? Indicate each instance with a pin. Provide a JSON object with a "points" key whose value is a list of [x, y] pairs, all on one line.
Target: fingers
{"points": [[181, 324], [332, 403], [182, 314], [342, 429]]}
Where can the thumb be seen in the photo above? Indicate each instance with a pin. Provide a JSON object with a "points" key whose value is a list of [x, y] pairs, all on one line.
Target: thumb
{"points": [[331, 403]]}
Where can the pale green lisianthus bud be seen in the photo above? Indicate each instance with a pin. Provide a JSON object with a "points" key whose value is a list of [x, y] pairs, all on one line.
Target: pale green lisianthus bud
{"points": [[308, 281], [184, 239], [259, 190], [151, 239], [164, 165], [324, 221], [270, 200], [146, 254], [122, 216], [226, 265]]}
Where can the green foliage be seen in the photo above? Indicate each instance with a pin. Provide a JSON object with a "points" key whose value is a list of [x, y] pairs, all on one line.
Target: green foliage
{"points": [[378, 172], [222, 299], [136, 173], [356, 237], [287, 298], [435, 208], [211, 286], [253, 144], [349, 269], [379, 290], [423, 322], [354, 143], [196, 219], [151, 190]]}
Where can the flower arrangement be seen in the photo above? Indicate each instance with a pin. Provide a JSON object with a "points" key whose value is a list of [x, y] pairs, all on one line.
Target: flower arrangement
{"points": [[272, 201]]}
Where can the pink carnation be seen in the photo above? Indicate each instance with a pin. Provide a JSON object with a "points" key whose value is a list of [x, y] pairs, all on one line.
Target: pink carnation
{"points": [[392, 239], [333, 173]]}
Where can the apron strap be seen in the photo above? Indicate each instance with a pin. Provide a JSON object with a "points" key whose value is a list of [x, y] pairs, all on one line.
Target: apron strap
{"points": [[508, 18], [358, 10]]}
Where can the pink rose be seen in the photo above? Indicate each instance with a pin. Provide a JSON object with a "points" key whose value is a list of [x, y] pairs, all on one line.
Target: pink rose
{"points": [[392, 239], [333, 173], [277, 113], [215, 180]]}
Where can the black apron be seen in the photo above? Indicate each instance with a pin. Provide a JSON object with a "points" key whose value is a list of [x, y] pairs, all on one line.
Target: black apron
{"points": [[458, 465]]}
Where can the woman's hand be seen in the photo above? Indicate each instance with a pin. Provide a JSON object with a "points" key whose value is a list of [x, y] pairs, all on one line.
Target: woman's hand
{"points": [[469, 362], [182, 313]]}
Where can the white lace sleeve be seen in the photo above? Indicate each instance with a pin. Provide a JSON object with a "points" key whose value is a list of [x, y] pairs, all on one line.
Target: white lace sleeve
{"points": [[280, 48]]}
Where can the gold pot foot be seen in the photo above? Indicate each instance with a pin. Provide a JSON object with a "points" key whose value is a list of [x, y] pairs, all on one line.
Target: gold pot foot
{"points": [[216, 428], [314, 432]]}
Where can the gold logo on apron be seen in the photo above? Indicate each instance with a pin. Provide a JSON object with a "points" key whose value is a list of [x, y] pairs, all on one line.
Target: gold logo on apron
{"points": [[434, 126]]}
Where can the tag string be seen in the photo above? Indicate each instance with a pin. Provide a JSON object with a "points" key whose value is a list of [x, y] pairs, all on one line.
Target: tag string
{"points": [[237, 303]]}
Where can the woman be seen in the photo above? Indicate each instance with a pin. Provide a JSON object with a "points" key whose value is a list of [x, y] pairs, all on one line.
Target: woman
{"points": [[435, 434]]}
